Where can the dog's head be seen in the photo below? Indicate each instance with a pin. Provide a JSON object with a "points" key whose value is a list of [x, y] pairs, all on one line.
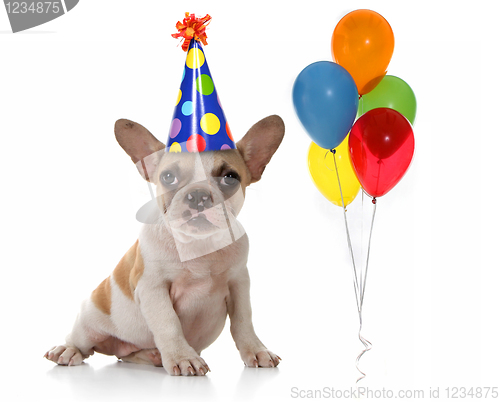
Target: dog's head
{"points": [[199, 194]]}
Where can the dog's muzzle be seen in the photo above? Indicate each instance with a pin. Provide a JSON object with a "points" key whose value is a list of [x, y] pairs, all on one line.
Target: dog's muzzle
{"points": [[199, 199]]}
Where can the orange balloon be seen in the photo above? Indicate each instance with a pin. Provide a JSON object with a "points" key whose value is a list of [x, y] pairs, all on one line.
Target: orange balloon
{"points": [[363, 43]]}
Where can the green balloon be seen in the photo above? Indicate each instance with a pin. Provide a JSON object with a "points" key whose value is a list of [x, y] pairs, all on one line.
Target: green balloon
{"points": [[391, 92]]}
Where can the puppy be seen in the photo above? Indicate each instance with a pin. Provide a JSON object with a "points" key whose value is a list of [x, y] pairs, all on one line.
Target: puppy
{"points": [[168, 297]]}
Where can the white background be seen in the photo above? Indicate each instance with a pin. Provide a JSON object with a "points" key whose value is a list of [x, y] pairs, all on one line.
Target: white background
{"points": [[70, 193]]}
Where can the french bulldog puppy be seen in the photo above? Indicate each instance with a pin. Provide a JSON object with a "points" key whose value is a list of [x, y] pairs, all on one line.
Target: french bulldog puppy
{"points": [[168, 297]]}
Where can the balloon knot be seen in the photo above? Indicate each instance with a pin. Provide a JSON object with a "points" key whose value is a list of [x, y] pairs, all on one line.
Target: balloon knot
{"points": [[374, 201], [333, 151], [192, 27]]}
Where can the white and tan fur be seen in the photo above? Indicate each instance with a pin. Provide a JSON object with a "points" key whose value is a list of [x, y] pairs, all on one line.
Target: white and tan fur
{"points": [[158, 307]]}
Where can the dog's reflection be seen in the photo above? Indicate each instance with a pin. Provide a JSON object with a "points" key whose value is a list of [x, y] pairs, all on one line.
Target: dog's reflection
{"points": [[128, 381], [251, 381]]}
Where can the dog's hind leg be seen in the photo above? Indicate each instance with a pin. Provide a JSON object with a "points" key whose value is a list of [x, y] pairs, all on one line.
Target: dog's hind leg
{"points": [[91, 327], [65, 355], [144, 356]]}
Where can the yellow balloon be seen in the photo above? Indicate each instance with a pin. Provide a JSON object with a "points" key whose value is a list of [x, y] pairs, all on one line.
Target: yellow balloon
{"points": [[324, 175]]}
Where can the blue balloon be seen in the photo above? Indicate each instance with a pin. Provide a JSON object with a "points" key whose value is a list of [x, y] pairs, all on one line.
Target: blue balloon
{"points": [[326, 101]]}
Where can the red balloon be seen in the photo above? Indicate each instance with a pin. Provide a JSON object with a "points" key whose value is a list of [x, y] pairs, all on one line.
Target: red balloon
{"points": [[381, 145]]}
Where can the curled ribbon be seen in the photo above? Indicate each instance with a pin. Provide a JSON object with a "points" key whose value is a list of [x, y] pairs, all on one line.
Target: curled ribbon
{"points": [[192, 28]]}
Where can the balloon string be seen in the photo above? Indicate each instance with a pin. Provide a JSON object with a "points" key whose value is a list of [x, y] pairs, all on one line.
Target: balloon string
{"points": [[362, 232], [374, 201], [359, 287], [366, 343], [355, 276]]}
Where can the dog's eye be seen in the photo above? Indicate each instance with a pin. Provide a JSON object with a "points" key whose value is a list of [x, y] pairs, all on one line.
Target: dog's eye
{"points": [[168, 179], [231, 179]]}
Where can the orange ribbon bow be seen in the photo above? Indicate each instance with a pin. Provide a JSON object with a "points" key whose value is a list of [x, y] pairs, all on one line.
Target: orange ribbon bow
{"points": [[192, 28]]}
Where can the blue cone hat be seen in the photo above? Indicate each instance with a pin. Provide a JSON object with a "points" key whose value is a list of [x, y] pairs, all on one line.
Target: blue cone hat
{"points": [[198, 123]]}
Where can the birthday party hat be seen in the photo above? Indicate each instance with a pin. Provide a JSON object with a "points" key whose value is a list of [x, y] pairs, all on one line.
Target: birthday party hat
{"points": [[198, 123]]}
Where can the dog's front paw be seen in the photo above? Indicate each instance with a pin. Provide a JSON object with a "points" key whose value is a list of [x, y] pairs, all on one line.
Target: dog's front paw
{"points": [[259, 358], [185, 362]]}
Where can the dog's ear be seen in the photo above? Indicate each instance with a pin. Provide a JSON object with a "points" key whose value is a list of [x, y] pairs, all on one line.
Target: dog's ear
{"points": [[140, 145], [260, 143]]}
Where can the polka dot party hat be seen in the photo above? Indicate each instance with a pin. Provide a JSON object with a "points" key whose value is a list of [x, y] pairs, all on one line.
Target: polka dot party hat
{"points": [[198, 123]]}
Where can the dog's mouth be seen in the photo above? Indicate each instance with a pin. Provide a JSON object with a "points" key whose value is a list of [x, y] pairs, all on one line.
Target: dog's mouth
{"points": [[200, 221], [197, 225]]}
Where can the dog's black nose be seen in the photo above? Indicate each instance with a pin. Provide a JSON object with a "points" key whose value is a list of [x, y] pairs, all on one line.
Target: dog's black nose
{"points": [[199, 199]]}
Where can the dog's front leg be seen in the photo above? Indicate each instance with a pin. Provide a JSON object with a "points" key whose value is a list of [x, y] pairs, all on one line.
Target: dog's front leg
{"points": [[252, 350], [178, 357]]}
